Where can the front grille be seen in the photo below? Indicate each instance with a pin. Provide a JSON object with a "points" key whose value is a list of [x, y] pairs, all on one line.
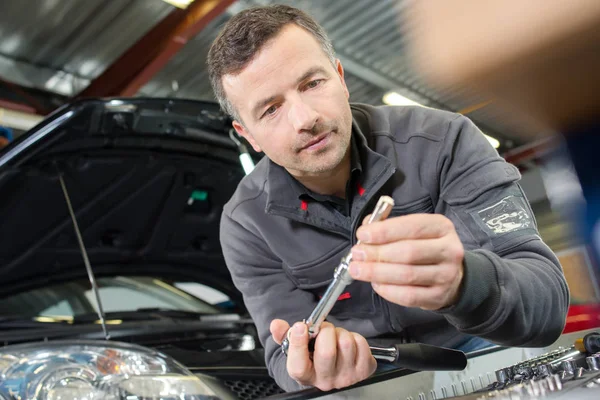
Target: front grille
{"points": [[251, 389]]}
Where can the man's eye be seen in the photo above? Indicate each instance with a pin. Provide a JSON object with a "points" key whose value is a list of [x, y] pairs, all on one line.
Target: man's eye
{"points": [[313, 84], [271, 110]]}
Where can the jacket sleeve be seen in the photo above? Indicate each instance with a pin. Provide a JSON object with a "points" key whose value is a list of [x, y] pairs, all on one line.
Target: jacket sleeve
{"points": [[513, 292], [259, 276]]}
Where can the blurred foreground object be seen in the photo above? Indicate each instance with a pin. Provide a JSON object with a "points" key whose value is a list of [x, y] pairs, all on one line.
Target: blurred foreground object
{"points": [[5, 136], [537, 57]]}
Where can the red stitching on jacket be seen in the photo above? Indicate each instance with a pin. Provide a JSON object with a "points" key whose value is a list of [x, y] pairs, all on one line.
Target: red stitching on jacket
{"points": [[343, 296], [304, 205], [361, 190]]}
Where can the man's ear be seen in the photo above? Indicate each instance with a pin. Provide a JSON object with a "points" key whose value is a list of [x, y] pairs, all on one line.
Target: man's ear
{"points": [[239, 128], [340, 71]]}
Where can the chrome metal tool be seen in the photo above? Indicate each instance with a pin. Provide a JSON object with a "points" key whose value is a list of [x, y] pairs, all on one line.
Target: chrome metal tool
{"points": [[341, 279]]}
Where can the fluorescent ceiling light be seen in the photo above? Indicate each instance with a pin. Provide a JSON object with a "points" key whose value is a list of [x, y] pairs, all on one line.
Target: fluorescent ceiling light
{"points": [[493, 141], [247, 163], [179, 3], [396, 99]]}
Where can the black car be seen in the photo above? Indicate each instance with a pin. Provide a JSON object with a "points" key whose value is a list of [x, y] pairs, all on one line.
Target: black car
{"points": [[113, 281], [110, 259]]}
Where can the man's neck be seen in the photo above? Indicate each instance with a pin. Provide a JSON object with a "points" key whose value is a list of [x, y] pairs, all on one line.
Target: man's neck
{"points": [[332, 183]]}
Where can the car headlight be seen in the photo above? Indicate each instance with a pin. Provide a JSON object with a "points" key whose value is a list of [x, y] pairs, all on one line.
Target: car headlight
{"points": [[94, 370]]}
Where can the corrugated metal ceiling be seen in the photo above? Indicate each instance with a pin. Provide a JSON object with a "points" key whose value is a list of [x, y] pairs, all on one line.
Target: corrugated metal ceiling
{"points": [[61, 45]]}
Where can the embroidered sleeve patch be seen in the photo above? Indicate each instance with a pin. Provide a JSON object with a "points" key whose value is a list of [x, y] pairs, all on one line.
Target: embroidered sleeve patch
{"points": [[508, 215]]}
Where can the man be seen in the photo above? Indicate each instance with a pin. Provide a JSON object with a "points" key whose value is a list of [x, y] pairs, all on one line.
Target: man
{"points": [[458, 257]]}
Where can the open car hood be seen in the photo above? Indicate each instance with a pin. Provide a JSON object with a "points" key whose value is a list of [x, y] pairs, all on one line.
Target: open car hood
{"points": [[147, 179]]}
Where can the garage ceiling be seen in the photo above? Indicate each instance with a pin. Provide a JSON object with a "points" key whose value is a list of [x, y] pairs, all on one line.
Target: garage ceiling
{"points": [[61, 46]]}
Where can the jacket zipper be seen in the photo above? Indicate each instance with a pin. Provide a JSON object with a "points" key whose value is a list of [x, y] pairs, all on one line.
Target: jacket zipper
{"points": [[353, 240], [361, 213]]}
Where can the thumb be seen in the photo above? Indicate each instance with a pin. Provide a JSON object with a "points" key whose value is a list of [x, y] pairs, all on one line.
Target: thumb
{"points": [[279, 329], [299, 342], [366, 219]]}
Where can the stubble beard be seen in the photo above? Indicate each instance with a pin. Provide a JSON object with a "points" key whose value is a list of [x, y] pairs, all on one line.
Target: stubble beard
{"points": [[327, 159]]}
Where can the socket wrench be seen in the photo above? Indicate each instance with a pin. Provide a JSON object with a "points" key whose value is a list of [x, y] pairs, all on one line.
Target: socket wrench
{"points": [[341, 279]]}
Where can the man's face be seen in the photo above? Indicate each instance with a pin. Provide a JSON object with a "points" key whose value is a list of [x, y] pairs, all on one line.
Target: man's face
{"points": [[294, 104]]}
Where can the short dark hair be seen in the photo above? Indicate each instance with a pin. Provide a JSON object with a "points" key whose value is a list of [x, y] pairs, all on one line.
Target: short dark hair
{"points": [[245, 34]]}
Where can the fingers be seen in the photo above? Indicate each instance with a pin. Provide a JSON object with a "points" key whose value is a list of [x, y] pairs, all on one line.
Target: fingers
{"points": [[336, 359], [346, 351], [279, 330], [414, 226], [415, 260], [365, 362], [340, 358], [415, 252], [400, 274], [299, 364], [428, 298], [367, 220], [325, 355]]}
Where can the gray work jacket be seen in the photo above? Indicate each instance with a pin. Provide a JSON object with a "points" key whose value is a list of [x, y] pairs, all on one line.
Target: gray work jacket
{"points": [[282, 255]]}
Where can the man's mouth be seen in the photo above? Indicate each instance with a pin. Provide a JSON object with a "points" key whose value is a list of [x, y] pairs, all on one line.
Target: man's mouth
{"points": [[317, 142]]}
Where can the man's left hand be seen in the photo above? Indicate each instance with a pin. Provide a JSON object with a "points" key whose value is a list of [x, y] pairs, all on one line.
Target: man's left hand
{"points": [[414, 260]]}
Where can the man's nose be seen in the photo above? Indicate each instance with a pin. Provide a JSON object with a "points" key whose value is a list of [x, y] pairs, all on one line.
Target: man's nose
{"points": [[302, 116]]}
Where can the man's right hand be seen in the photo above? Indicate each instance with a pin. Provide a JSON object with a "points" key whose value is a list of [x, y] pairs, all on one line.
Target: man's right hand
{"points": [[340, 359]]}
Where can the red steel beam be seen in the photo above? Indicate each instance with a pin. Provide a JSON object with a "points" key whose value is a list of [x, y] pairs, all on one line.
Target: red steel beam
{"points": [[33, 105], [149, 55], [474, 107], [11, 105], [531, 151]]}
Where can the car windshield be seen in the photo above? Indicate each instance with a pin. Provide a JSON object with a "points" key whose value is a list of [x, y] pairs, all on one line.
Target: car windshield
{"points": [[118, 294]]}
